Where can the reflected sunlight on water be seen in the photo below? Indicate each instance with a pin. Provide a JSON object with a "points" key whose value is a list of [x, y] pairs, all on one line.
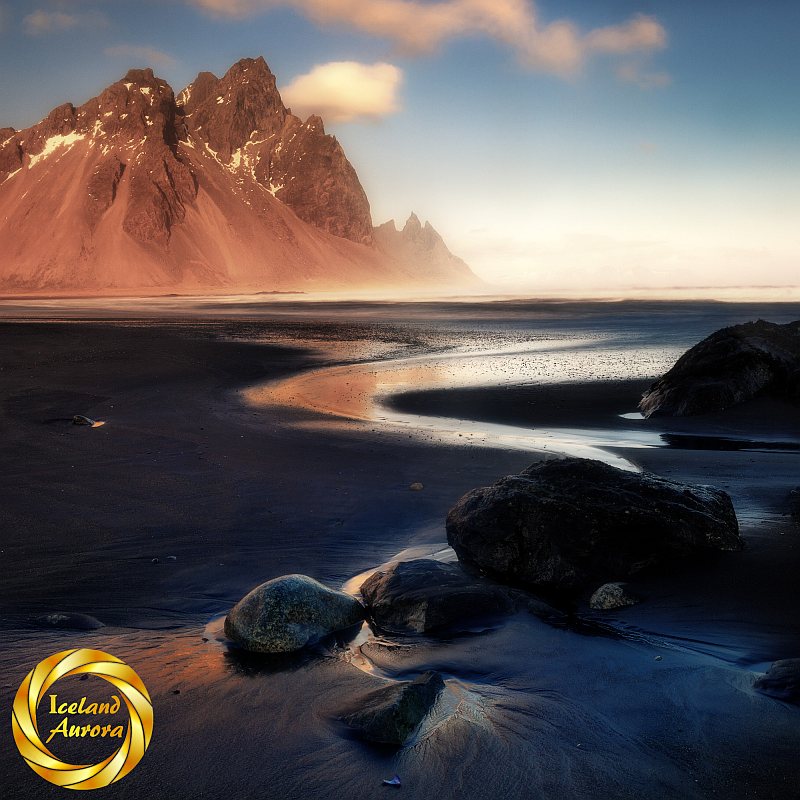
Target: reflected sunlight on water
{"points": [[360, 391]]}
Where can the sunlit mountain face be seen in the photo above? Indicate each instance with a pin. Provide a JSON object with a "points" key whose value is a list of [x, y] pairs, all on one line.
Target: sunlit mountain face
{"points": [[221, 190]]}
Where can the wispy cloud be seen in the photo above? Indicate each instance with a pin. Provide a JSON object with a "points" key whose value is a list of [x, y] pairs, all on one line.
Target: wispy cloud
{"points": [[147, 55], [42, 22], [559, 47], [637, 75], [343, 91]]}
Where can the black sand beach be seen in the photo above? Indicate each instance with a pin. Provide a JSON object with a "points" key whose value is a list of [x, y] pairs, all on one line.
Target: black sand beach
{"points": [[226, 494]]}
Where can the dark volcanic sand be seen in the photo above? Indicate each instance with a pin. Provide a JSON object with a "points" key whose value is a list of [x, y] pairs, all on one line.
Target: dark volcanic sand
{"points": [[182, 468]]}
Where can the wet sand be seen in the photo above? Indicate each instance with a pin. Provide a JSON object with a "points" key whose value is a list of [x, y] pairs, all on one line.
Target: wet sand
{"points": [[239, 493]]}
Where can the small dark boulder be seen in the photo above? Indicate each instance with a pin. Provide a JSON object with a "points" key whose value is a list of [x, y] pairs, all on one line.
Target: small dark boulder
{"points": [[288, 613], [563, 525], [425, 596], [794, 503], [79, 419], [391, 714], [611, 596], [729, 367], [69, 620], [782, 681]]}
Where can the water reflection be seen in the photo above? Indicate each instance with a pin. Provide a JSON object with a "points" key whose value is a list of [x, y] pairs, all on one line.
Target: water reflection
{"points": [[361, 391]]}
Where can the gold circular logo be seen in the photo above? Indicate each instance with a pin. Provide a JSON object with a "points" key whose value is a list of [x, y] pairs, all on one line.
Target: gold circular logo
{"points": [[136, 738]]}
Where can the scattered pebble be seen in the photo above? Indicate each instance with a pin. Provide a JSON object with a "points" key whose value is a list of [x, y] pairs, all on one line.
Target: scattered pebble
{"points": [[79, 419], [416, 487], [659, 658]]}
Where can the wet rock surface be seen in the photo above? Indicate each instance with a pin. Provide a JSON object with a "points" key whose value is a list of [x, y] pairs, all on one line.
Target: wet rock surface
{"points": [[391, 714], [288, 613], [782, 681], [563, 525], [428, 596], [730, 366]]}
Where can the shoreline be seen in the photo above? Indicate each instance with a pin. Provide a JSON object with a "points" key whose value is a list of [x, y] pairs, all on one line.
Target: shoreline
{"points": [[238, 495]]}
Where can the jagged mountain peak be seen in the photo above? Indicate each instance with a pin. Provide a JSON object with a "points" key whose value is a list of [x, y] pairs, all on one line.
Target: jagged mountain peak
{"points": [[197, 91], [228, 112], [315, 123], [241, 121], [413, 226], [140, 76], [422, 245], [250, 69]]}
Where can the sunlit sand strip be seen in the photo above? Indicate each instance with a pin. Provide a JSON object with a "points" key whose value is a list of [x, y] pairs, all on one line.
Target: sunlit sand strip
{"points": [[358, 392]]}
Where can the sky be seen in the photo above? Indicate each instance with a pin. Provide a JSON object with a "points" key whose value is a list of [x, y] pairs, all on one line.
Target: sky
{"points": [[574, 146]]}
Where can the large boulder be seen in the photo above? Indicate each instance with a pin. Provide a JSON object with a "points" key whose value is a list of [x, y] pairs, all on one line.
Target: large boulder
{"points": [[288, 613], [391, 714], [564, 525], [730, 366], [428, 596], [782, 681]]}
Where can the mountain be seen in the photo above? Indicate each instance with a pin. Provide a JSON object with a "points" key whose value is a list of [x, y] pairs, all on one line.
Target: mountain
{"points": [[221, 189], [420, 245]]}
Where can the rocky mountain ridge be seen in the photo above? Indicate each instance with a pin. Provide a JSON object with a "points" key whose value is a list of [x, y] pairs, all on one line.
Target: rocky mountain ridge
{"points": [[219, 189]]}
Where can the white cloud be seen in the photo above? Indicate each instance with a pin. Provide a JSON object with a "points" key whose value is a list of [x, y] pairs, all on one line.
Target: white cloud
{"points": [[417, 26], [639, 34], [147, 55], [342, 91], [41, 22]]}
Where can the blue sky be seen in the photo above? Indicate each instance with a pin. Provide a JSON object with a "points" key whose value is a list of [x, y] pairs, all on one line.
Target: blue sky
{"points": [[595, 144]]}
